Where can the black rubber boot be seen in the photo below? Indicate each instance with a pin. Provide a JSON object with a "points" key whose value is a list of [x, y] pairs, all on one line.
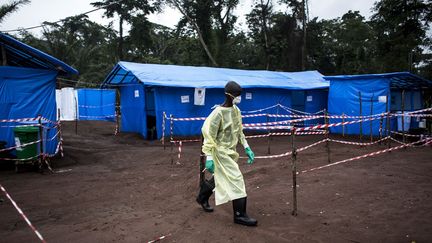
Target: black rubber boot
{"points": [[206, 190], [240, 215]]}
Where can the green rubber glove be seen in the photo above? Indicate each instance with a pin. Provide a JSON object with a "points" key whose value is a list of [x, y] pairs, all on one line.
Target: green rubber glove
{"points": [[210, 166], [250, 154]]}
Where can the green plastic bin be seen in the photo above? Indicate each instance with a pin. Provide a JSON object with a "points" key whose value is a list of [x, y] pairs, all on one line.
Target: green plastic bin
{"points": [[26, 135]]}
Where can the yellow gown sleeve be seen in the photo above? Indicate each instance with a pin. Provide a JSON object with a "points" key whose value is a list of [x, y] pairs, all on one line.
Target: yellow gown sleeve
{"points": [[242, 138], [210, 131]]}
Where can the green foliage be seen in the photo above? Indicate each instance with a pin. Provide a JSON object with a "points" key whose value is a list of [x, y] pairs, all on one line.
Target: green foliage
{"points": [[8, 8], [394, 39]]}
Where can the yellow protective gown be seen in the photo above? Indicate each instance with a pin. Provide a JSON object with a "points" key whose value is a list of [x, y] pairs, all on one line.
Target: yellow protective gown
{"points": [[222, 130]]}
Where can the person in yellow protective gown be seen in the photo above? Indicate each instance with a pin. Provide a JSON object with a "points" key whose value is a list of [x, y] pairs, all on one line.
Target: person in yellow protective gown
{"points": [[222, 130]]}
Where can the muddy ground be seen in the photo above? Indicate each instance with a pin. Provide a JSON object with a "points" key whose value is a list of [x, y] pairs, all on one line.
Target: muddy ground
{"points": [[124, 189]]}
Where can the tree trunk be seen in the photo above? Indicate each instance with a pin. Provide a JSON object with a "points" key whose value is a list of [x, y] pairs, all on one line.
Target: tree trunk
{"points": [[120, 44], [264, 26], [196, 27], [303, 58]]}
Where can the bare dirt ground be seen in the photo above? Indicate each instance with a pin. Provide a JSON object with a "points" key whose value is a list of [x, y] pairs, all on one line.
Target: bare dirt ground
{"points": [[124, 189]]}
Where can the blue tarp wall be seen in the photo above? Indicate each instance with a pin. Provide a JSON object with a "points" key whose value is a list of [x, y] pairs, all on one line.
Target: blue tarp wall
{"points": [[344, 98], [147, 90], [169, 100], [26, 93], [96, 104], [132, 108]]}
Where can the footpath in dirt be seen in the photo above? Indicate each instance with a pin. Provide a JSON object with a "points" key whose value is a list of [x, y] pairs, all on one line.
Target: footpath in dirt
{"points": [[125, 189]]}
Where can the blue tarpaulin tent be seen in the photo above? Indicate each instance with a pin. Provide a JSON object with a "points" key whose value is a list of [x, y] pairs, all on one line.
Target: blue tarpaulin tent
{"points": [[148, 90], [96, 104], [27, 86], [374, 89]]}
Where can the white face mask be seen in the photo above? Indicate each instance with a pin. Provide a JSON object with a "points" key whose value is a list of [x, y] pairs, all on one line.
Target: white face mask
{"points": [[237, 100]]}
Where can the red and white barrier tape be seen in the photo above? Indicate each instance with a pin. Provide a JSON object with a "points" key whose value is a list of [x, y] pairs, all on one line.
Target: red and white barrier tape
{"points": [[354, 117], [263, 109], [97, 116], [96, 106], [163, 128], [333, 124], [186, 141], [179, 150], [287, 153], [254, 115], [49, 121], [20, 120], [291, 110], [414, 115], [357, 143], [160, 238], [409, 135], [366, 155], [310, 146], [279, 122], [189, 119], [269, 128], [32, 125], [22, 214], [20, 146], [296, 116], [419, 111]]}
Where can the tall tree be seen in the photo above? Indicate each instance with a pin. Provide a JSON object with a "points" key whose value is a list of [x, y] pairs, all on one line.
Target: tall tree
{"points": [[258, 21], [400, 27], [125, 9], [199, 21], [8, 8]]}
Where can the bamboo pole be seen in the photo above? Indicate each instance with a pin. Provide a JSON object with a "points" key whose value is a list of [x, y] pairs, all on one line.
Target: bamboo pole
{"points": [[268, 137], [117, 112], [294, 172], [202, 164], [163, 129], [41, 150], [388, 130], [76, 116], [361, 116], [326, 119], [60, 138], [371, 121], [403, 116], [343, 125], [381, 127], [171, 138]]}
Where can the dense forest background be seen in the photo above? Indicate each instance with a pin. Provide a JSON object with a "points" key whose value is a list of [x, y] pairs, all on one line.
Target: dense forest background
{"points": [[397, 37]]}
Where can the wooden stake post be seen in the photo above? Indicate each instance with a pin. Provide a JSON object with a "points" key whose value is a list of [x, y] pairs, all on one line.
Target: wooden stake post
{"points": [[294, 172], [202, 164], [388, 130], [41, 150], [343, 125], [361, 117], [403, 116], [171, 138], [117, 112], [268, 137], [327, 135], [163, 129], [371, 121], [60, 137], [76, 116]]}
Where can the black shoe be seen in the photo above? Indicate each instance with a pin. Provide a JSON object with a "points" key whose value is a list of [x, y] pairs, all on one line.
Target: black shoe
{"points": [[205, 205], [240, 215]]}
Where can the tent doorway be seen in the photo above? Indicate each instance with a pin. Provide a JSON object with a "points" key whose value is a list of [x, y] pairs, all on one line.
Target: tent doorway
{"points": [[150, 110], [298, 100]]}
